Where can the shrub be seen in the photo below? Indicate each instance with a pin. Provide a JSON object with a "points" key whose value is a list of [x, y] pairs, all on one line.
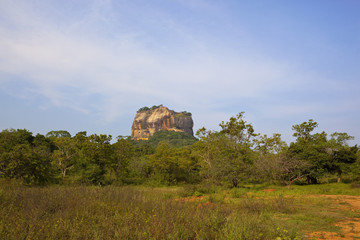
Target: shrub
{"points": [[355, 185]]}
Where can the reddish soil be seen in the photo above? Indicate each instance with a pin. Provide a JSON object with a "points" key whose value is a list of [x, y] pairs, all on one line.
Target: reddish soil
{"points": [[269, 190], [350, 227]]}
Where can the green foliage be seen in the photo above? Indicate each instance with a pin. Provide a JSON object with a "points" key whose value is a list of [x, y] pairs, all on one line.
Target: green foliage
{"points": [[131, 213], [186, 113], [124, 152], [10, 138], [270, 145], [65, 154], [227, 155], [238, 130], [25, 157], [58, 134], [144, 109], [96, 152], [303, 130], [322, 154], [183, 114], [172, 165], [174, 139], [232, 156]]}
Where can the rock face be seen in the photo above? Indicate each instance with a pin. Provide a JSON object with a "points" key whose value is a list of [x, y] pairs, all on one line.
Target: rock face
{"points": [[148, 122]]}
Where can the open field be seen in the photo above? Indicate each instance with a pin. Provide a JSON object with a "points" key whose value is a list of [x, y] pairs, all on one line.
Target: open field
{"points": [[328, 211]]}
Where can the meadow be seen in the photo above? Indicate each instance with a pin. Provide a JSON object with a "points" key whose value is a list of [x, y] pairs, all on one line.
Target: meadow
{"points": [[185, 212]]}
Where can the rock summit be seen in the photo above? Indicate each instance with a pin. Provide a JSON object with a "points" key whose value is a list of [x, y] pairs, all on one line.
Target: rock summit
{"points": [[151, 120]]}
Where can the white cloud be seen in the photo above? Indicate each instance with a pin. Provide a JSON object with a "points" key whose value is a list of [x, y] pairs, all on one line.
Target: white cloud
{"points": [[74, 67]]}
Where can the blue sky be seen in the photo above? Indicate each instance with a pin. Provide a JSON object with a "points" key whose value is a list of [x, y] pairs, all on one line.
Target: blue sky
{"points": [[89, 65]]}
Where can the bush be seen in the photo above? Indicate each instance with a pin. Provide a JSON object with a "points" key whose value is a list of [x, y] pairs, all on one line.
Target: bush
{"points": [[355, 185]]}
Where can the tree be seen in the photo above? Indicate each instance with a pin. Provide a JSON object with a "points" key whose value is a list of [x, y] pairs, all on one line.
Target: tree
{"points": [[65, 154], [342, 155], [58, 134], [303, 130], [270, 145], [341, 139], [270, 153], [292, 169], [227, 155], [123, 154], [311, 148], [323, 155], [172, 165], [10, 138], [238, 130], [174, 139], [97, 153], [25, 157], [239, 155]]}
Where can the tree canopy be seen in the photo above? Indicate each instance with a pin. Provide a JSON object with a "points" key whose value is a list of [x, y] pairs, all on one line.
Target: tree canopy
{"points": [[234, 155]]}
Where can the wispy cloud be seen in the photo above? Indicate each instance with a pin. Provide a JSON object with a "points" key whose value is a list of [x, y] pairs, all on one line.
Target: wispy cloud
{"points": [[63, 65], [110, 57]]}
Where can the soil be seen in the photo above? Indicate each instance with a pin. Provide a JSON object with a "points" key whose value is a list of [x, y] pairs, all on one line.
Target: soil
{"points": [[269, 190], [350, 227]]}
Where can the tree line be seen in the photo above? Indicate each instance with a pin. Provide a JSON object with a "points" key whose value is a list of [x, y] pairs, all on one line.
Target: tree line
{"points": [[234, 155]]}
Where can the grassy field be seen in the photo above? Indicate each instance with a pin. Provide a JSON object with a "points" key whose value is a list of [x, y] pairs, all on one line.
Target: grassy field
{"points": [[189, 212]]}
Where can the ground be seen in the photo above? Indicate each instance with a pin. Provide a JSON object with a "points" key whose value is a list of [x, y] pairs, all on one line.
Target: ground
{"points": [[350, 227]]}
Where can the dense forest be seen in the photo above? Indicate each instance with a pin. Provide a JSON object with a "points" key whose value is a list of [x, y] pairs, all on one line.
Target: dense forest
{"points": [[234, 155]]}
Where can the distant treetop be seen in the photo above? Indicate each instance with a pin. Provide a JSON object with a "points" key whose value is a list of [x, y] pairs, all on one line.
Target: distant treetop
{"points": [[143, 109], [186, 113], [58, 134]]}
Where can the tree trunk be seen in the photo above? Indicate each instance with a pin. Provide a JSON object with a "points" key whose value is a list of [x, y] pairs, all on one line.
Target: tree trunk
{"points": [[339, 176], [235, 182], [311, 180], [63, 172]]}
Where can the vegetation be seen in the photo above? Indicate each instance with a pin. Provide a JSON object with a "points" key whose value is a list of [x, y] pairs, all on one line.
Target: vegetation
{"points": [[183, 114], [174, 139], [233, 156], [215, 184], [110, 212], [144, 109]]}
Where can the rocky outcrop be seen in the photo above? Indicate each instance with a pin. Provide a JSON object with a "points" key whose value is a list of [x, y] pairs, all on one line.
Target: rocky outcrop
{"points": [[149, 121]]}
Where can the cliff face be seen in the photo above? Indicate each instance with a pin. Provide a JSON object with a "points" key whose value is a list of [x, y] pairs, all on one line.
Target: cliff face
{"points": [[148, 122]]}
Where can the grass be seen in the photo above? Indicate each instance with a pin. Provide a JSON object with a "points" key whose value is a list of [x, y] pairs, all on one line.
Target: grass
{"points": [[138, 212], [296, 190]]}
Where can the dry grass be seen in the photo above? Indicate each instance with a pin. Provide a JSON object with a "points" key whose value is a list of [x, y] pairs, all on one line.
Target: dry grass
{"points": [[87, 212], [132, 213]]}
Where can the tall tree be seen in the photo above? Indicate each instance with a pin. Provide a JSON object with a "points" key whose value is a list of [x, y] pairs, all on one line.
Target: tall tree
{"points": [[342, 155], [97, 153], [123, 153], [25, 157], [227, 155], [303, 130], [311, 148], [171, 165], [58, 134]]}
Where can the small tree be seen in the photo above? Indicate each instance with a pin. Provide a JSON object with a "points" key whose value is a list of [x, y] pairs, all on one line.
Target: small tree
{"points": [[292, 169]]}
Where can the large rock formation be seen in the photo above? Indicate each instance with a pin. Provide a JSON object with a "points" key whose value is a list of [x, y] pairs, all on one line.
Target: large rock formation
{"points": [[149, 121]]}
